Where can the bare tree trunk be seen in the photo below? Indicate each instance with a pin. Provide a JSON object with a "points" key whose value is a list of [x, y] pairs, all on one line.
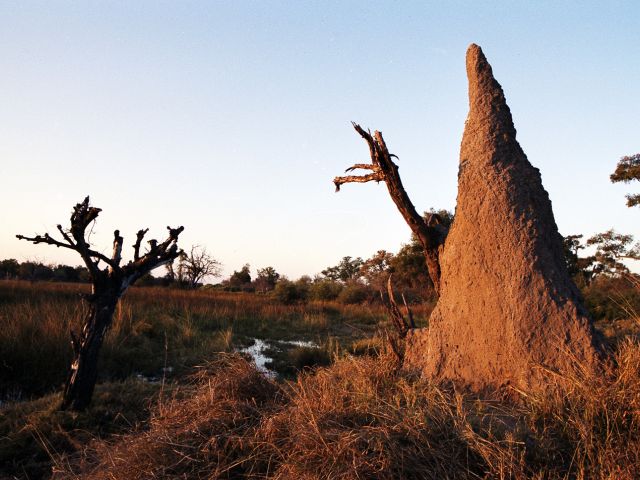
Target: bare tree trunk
{"points": [[430, 232], [84, 368]]}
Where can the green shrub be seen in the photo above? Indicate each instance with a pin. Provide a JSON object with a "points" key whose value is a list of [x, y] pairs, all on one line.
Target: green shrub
{"points": [[325, 290], [612, 298], [288, 292], [354, 293]]}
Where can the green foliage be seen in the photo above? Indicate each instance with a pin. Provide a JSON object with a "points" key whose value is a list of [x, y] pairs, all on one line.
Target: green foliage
{"points": [[410, 272], [9, 268], [627, 170], [376, 269], [353, 293], [38, 271], [325, 290], [288, 292], [347, 269], [611, 248], [445, 217], [241, 278], [35, 271], [579, 268], [612, 298], [266, 279]]}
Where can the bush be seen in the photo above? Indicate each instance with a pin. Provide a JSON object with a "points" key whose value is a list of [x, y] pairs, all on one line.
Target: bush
{"points": [[325, 290], [612, 298], [354, 293], [288, 292]]}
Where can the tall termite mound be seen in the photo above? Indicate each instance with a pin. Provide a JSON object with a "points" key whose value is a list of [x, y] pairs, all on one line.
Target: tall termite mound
{"points": [[507, 305]]}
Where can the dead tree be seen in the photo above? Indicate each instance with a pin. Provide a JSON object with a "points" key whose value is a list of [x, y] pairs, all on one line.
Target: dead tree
{"points": [[195, 266], [109, 281], [429, 231], [401, 323]]}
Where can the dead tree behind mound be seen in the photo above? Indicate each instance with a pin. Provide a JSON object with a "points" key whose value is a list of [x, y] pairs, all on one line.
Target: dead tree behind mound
{"points": [[429, 231]]}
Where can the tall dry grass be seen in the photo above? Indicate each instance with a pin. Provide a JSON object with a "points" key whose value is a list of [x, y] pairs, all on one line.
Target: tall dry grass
{"points": [[365, 418], [153, 328]]}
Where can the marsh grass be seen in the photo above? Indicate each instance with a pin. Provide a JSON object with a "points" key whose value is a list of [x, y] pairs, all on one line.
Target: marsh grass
{"points": [[154, 328], [360, 417], [35, 434], [364, 418]]}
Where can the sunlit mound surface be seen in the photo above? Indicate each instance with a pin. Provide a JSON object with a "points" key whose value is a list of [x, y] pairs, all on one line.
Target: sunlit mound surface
{"points": [[365, 418]]}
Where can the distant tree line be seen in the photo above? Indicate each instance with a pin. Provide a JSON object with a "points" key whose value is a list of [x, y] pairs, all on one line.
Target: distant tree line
{"points": [[11, 269], [356, 280], [598, 265]]}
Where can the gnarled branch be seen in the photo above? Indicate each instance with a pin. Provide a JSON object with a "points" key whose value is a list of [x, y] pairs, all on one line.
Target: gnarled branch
{"points": [[136, 246], [401, 323], [430, 232], [377, 176]]}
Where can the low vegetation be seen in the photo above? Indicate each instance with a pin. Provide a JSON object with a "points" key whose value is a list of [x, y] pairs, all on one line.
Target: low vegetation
{"points": [[374, 419], [365, 418], [156, 331]]}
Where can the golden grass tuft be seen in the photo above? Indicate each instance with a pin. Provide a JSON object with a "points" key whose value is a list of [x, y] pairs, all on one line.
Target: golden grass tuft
{"points": [[365, 418]]}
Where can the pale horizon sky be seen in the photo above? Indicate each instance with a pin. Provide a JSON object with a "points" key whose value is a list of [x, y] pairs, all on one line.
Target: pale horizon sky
{"points": [[232, 118]]}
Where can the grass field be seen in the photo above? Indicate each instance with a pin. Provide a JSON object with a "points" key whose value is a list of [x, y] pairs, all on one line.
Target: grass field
{"points": [[158, 331], [171, 390]]}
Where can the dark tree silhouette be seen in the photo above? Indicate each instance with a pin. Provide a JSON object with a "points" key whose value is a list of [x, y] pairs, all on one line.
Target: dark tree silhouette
{"points": [[195, 266], [108, 283]]}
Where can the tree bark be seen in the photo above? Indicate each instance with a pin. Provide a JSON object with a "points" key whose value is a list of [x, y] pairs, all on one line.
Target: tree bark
{"points": [[84, 368]]}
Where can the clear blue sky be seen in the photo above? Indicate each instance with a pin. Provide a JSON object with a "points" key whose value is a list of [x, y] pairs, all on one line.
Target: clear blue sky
{"points": [[231, 118]]}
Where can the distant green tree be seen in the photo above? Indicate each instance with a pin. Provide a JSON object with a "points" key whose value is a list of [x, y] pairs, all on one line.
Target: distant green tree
{"points": [[289, 292], [83, 274], [324, 289], [34, 271], [627, 170], [65, 273], [9, 268], [445, 217], [347, 269], [266, 279], [354, 292], [376, 270], [241, 278], [580, 268], [410, 270], [611, 248]]}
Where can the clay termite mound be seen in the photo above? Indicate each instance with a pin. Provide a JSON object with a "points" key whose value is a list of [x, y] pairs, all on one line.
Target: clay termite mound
{"points": [[508, 311]]}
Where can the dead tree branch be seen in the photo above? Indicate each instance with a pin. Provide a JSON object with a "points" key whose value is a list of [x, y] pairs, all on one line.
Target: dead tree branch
{"points": [[430, 232], [401, 323]]}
